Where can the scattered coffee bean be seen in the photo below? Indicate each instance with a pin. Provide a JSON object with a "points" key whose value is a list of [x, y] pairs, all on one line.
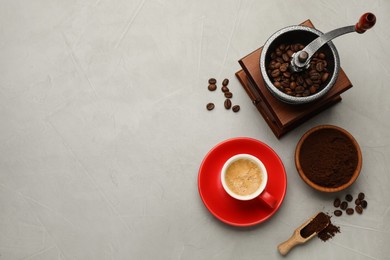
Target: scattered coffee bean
{"points": [[228, 94], [338, 213], [350, 211], [344, 205], [210, 106], [212, 87], [225, 89], [305, 83], [360, 205], [359, 209], [228, 103], [337, 202], [225, 82], [236, 108], [212, 81]]}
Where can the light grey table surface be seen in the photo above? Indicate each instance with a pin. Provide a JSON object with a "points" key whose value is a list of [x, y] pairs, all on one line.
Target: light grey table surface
{"points": [[103, 128]]}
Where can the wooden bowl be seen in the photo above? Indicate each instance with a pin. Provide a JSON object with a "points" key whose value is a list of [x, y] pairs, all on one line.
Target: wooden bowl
{"points": [[299, 150]]}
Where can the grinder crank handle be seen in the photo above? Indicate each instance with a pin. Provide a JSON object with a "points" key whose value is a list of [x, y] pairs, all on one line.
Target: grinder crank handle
{"points": [[366, 21], [301, 59]]}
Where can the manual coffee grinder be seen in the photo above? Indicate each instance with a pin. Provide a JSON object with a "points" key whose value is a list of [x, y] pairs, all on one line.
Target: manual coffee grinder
{"points": [[284, 112]]}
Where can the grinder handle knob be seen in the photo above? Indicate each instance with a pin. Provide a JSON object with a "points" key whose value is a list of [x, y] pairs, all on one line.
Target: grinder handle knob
{"points": [[365, 22]]}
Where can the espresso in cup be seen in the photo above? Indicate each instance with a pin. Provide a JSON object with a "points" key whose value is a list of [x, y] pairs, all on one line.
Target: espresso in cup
{"points": [[243, 177]]}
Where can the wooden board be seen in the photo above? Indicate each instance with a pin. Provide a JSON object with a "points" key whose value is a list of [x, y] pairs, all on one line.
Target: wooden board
{"points": [[282, 117]]}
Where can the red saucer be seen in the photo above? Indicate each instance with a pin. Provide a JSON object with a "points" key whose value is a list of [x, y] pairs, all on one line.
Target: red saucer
{"points": [[226, 208]]}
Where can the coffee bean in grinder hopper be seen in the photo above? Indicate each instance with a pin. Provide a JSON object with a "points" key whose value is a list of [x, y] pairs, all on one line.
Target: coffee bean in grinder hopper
{"points": [[314, 40]]}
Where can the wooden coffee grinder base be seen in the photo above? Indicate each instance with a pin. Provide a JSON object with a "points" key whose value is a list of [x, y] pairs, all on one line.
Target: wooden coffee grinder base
{"points": [[282, 117]]}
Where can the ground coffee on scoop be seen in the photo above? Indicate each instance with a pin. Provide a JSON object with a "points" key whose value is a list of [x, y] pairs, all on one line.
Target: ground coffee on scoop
{"points": [[328, 158], [317, 225]]}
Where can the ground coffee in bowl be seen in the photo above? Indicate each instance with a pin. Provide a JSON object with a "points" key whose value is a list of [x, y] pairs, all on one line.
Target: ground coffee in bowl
{"points": [[328, 158]]}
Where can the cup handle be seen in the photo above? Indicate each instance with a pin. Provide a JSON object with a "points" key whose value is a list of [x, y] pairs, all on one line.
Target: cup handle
{"points": [[268, 199]]}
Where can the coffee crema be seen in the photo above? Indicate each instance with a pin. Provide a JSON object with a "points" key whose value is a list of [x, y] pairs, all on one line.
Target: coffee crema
{"points": [[243, 177]]}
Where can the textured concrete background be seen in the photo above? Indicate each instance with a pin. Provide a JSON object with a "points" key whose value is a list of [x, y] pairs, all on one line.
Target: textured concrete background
{"points": [[103, 127]]}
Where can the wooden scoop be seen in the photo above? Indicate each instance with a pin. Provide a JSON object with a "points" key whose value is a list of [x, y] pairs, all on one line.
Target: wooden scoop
{"points": [[297, 238]]}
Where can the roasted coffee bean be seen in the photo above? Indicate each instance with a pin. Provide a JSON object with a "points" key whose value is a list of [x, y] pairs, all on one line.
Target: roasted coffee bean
{"points": [[324, 77], [348, 197], [315, 76], [228, 94], [277, 84], [358, 201], [350, 211], [359, 209], [299, 89], [300, 80], [279, 59], [363, 203], [321, 55], [293, 85], [236, 108], [275, 73], [285, 57], [338, 213], [285, 83], [308, 82], [295, 47], [336, 202], [284, 67], [212, 87], [361, 196], [344, 205], [227, 103], [210, 106], [225, 82], [212, 81], [225, 89], [319, 67]]}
